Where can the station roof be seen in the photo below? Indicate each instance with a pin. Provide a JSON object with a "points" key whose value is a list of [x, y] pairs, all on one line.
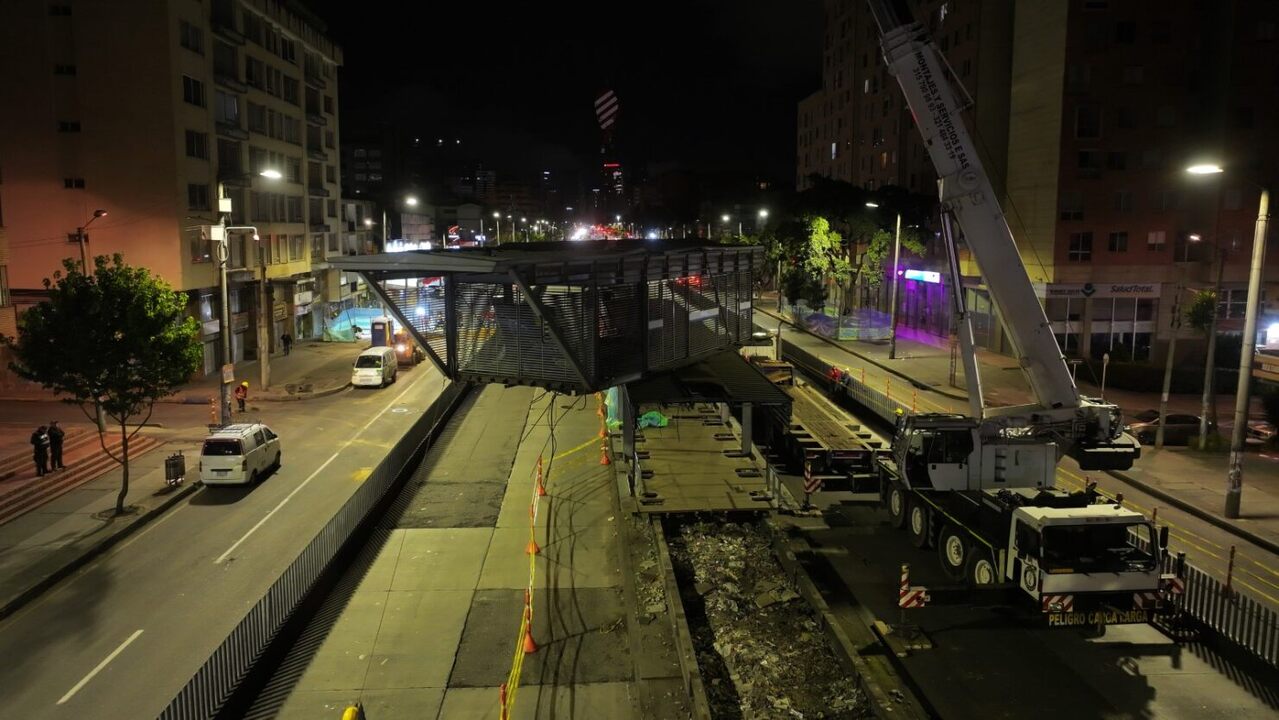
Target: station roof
{"points": [[557, 262], [725, 377]]}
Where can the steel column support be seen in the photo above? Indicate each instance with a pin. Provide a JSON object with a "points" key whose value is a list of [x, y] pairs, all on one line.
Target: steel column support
{"points": [[399, 316], [540, 310]]}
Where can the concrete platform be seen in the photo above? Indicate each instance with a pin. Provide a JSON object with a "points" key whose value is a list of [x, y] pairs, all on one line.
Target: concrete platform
{"points": [[426, 625], [690, 470]]}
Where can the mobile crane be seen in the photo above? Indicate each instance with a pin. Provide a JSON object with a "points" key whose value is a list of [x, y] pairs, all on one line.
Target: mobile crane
{"points": [[981, 487]]}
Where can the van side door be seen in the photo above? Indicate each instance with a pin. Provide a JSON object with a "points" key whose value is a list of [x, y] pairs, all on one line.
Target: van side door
{"points": [[259, 450]]}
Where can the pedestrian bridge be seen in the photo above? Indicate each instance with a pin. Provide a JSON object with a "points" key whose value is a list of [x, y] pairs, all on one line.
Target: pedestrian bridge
{"points": [[568, 316]]}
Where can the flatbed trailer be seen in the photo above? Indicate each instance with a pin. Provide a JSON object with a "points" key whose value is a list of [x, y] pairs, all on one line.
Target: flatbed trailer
{"points": [[816, 434]]}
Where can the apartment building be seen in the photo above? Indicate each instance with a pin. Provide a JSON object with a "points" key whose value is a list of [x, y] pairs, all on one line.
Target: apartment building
{"points": [[1085, 113], [156, 111]]}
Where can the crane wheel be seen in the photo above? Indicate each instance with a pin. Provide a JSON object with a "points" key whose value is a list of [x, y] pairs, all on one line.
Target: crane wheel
{"points": [[981, 570], [897, 505], [917, 525], [953, 548]]}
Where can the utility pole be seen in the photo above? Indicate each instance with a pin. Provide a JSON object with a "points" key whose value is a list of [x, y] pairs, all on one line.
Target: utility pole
{"points": [[265, 316], [892, 313], [1234, 482], [224, 384], [1175, 323], [1209, 405]]}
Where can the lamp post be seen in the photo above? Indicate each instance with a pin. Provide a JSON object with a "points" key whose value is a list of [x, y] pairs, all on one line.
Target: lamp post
{"points": [[264, 309], [1175, 324], [892, 311], [83, 240], [1234, 477], [497, 218]]}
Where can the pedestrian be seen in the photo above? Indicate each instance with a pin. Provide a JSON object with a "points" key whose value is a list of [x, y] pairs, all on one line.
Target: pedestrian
{"points": [[55, 446], [242, 394], [40, 450], [287, 341]]}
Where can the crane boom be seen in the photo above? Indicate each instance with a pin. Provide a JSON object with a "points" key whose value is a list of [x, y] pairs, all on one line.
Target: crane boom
{"points": [[1090, 430]]}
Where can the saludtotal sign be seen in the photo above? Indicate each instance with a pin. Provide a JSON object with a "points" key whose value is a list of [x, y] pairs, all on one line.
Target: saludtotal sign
{"points": [[1102, 290]]}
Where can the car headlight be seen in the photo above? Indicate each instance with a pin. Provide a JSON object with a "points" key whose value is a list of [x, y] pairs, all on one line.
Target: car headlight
{"points": [[401, 348]]}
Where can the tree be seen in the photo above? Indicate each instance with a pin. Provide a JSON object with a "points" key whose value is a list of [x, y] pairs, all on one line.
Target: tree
{"points": [[118, 339], [1201, 315], [821, 260]]}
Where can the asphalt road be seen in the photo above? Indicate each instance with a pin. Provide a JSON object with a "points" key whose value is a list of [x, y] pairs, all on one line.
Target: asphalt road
{"points": [[1207, 546], [121, 637]]}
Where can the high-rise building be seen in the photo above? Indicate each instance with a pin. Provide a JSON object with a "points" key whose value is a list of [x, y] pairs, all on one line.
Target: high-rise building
{"points": [[152, 112], [1085, 114]]}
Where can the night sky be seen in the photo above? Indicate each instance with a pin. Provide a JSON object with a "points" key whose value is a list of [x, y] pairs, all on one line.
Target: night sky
{"points": [[706, 86]]}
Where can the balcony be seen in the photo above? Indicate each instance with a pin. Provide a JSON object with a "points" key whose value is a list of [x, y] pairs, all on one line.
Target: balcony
{"points": [[317, 190], [316, 154], [231, 131], [224, 22], [316, 119], [229, 81], [313, 79]]}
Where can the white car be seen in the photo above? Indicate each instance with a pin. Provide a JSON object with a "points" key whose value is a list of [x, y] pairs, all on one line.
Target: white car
{"points": [[375, 367], [239, 454]]}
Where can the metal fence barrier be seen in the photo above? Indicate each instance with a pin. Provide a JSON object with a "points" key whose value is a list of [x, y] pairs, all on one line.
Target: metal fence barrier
{"points": [[211, 687]]}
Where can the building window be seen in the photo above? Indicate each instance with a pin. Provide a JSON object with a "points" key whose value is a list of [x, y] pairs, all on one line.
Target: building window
{"points": [[197, 145], [329, 140], [1077, 78], [1117, 242], [254, 72], [192, 91], [1123, 200], [330, 174], [64, 69], [1072, 206], [288, 50], [1080, 249], [226, 108], [328, 104], [191, 37], [257, 118], [833, 149], [1156, 240], [1090, 163], [68, 126], [294, 174], [1125, 32], [291, 92], [73, 183], [1087, 122], [331, 206], [197, 196], [201, 245]]}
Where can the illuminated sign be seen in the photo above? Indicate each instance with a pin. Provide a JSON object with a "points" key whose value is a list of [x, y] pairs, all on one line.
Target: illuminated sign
{"points": [[927, 276]]}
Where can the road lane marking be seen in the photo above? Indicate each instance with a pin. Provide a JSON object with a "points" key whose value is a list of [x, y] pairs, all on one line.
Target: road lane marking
{"points": [[313, 475], [105, 661]]}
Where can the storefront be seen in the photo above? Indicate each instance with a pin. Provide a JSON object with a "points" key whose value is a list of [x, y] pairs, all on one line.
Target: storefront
{"points": [[1092, 319]]}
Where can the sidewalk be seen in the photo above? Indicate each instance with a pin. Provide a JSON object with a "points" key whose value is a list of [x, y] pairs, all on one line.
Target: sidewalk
{"points": [[1188, 479], [51, 542], [313, 369]]}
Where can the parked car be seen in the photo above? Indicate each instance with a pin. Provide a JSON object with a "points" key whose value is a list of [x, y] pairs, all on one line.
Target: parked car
{"points": [[239, 454], [1178, 429], [375, 367]]}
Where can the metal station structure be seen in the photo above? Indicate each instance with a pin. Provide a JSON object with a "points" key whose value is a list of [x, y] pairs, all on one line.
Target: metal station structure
{"points": [[573, 317]]}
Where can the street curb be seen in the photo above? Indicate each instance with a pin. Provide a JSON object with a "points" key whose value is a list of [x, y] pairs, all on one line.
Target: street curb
{"points": [[307, 396], [872, 361], [1200, 513], [38, 589]]}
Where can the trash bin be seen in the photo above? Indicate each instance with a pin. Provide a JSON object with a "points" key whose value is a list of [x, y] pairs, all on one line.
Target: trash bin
{"points": [[175, 468]]}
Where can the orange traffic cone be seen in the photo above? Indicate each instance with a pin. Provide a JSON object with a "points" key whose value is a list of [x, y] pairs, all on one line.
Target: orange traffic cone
{"points": [[532, 548], [530, 647], [541, 489], [604, 455]]}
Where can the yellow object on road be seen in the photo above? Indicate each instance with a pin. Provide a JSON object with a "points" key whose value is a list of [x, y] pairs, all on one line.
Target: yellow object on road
{"points": [[353, 712]]}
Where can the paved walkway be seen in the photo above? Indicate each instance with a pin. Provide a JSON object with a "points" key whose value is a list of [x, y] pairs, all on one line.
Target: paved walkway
{"points": [[428, 627]]}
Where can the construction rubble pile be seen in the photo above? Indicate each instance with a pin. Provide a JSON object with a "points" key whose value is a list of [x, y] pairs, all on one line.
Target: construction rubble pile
{"points": [[762, 635]]}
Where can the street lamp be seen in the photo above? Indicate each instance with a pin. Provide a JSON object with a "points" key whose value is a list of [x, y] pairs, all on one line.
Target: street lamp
{"points": [[411, 201], [497, 218], [1175, 324], [270, 174], [84, 240], [1234, 478], [892, 311]]}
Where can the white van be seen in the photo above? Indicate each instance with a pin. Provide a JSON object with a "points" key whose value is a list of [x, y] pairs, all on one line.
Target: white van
{"points": [[375, 367], [239, 454]]}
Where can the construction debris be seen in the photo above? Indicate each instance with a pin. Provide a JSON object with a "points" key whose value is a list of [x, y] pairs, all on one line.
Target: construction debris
{"points": [[761, 652]]}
